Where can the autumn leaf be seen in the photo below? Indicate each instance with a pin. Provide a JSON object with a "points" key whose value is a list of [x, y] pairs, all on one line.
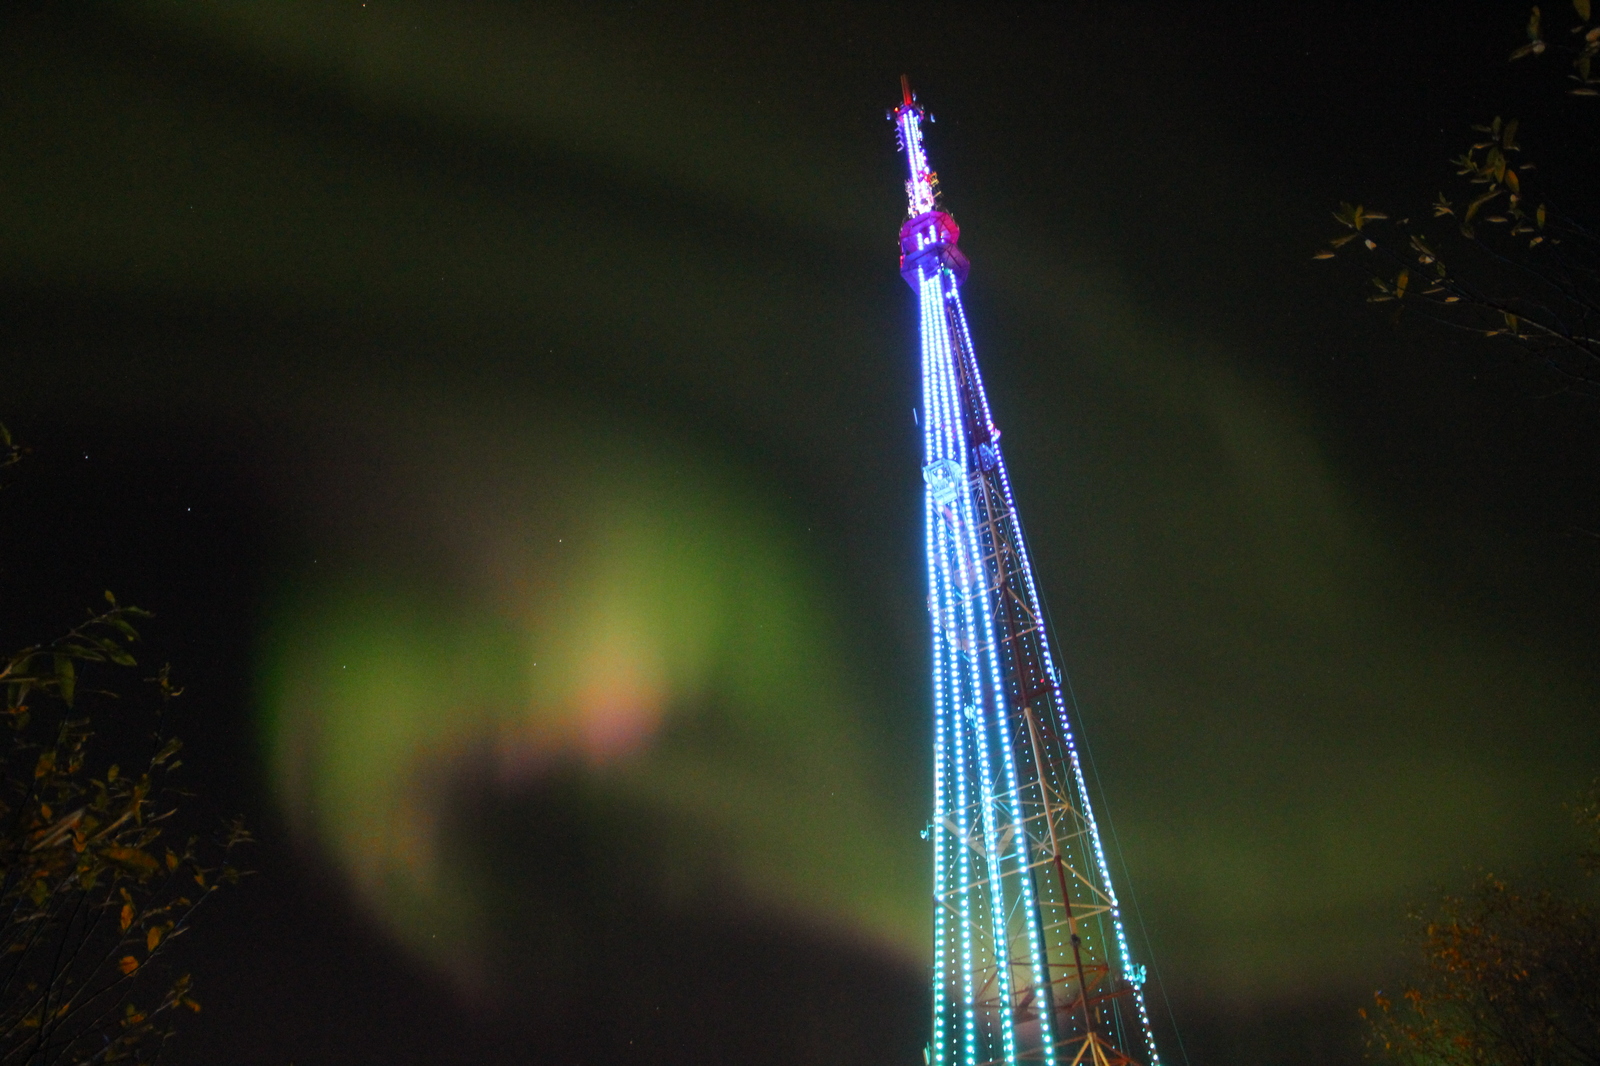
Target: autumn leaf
{"points": [[1354, 216], [128, 964], [126, 918], [131, 857]]}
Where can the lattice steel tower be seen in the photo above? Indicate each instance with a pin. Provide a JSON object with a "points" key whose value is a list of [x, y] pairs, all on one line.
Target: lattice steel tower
{"points": [[1031, 963]]}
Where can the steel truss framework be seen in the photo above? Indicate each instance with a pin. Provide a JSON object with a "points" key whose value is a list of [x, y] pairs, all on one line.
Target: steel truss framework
{"points": [[1031, 963]]}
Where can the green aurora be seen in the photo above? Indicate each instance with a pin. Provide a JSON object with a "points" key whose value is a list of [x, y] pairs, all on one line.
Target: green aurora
{"points": [[637, 620], [408, 252]]}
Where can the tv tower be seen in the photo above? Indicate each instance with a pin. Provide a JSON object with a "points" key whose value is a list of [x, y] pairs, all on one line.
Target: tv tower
{"points": [[1030, 960]]}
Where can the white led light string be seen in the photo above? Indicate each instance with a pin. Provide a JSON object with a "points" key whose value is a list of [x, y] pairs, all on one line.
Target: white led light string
{"points": [[943, 440], [946, 441], [919, 192], [944, 658], [1065, 723], [937, 1050], [1041, 971], [970, 589], [968, 696]]}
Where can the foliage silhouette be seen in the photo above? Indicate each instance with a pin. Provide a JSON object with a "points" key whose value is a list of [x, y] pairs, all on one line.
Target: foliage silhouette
{"points": [[1507, 978], [94, 884], [1497, 256]]}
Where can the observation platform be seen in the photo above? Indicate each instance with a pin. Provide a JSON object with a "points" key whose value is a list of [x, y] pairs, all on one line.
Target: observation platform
{"points": [[928, 242]]}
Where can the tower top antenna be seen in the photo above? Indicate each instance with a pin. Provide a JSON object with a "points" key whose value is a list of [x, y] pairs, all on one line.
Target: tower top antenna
{"points": [[905, 91]]}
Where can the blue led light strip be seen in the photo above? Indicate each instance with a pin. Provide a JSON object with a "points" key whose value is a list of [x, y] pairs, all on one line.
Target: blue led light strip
{"points": [[1031, 960]]}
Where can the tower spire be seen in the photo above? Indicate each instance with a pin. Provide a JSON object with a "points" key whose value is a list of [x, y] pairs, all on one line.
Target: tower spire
{"points": [[929, 235], [1031, 962]]}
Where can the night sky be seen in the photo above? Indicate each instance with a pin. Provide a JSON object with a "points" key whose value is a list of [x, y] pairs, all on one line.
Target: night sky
{"points": [[507, 411]]}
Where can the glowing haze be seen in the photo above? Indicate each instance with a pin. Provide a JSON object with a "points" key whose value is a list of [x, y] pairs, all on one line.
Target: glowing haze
{"points": [[584, 610]]}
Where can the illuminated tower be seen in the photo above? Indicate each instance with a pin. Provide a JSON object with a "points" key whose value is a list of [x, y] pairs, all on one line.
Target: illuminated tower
{"points": [[1030, 960]]}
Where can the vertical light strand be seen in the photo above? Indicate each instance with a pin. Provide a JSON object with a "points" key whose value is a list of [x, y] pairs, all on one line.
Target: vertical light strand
{"points": [[940, 411], [975, 761], [1026, 898], [1079, 781], [1038, 959], [919, 187], [936, 443], [937, 1051], [979, 640]]}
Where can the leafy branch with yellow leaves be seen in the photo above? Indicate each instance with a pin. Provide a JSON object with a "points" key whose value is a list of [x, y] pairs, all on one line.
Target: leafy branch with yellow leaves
{"points": [[1497, 258], [96, 881], [1508, 977]]}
